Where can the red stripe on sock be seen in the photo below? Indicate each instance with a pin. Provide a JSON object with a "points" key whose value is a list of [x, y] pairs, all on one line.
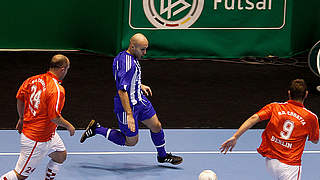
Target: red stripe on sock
{"points": [[50, 174], [35, 145], [5, 178]]}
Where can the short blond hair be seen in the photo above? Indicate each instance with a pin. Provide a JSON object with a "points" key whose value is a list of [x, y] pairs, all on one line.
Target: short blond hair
{"points": [[58, 61]]}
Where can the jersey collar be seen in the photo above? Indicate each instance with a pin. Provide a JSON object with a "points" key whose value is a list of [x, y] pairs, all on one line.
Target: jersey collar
{"points": [[130, 55], [54, 76], [295, 103]]}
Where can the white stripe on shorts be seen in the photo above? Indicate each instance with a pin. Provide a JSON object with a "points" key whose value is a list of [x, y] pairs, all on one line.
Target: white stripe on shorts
{"points": [[125, 118]]}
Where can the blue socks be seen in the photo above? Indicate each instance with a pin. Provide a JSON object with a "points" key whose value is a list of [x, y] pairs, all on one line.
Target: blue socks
{"points": [[113, 135], [101, 130], [119, 138], [159, 142], [116, 137]]}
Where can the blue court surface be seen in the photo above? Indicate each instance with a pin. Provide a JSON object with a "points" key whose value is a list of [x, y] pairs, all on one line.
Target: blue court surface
{"points": [[100, 159]]}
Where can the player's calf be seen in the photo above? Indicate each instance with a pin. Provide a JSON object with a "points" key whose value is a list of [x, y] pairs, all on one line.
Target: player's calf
{"points": [[52, 169]]}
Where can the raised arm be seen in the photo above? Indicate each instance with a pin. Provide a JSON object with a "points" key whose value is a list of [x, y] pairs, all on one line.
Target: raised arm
{"points": [[231, 142]]}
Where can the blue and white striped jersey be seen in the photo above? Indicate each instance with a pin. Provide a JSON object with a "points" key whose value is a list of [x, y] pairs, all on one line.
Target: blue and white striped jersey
{"points": [[127, 74]]}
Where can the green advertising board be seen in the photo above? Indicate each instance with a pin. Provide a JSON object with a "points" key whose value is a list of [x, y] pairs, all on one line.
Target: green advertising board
{"points": [[314, 59], [210, 28], [222, 28], [61, 24], [175, 28], [210, 14]]}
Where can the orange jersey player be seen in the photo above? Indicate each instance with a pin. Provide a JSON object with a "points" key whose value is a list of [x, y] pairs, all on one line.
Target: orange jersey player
{"points": [[38, 108], [283, 140], [285, 135], [40, 100]]}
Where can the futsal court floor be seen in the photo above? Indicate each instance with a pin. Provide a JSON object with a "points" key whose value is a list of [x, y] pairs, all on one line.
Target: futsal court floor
{"points": [[98, 159]]}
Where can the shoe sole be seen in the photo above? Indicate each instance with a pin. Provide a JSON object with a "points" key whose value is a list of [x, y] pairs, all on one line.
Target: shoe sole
{"points": [[84, 134]]}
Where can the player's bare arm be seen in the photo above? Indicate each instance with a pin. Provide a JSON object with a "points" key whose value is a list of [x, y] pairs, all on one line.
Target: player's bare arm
{"points": [[126, 106], [60, 121], [231, 142], [20, 108], [146, 90]]}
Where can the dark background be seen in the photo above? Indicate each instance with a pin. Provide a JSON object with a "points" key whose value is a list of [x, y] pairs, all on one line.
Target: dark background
{"points": [[186, 93]]}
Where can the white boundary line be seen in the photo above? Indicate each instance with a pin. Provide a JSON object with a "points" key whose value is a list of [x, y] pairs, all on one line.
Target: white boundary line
{"points": [[128, 153], [223, 28]]}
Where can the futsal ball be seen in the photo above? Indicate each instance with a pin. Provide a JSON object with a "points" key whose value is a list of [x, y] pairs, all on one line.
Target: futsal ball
{"points": [[208, 175]]}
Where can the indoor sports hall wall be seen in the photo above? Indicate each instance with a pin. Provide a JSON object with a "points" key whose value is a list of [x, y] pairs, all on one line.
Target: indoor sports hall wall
{"points": [[305, 25], [60, 24], [183, 29], [186, 94]]}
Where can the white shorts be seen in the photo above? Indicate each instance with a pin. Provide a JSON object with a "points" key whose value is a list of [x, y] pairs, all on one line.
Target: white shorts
{"points": [[282, 171], [33, 152]]}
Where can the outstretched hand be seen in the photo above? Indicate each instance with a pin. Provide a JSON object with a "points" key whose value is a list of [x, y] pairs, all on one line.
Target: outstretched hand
{"points": [[228, 145], [146, 90]]}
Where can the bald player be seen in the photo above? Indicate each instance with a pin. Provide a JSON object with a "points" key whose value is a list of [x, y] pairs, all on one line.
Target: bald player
{"points": [[40, 100], [131, 104]]}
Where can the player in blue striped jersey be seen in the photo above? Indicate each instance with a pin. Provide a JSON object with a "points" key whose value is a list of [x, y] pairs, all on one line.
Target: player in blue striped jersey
{"points": [[131, 104]]}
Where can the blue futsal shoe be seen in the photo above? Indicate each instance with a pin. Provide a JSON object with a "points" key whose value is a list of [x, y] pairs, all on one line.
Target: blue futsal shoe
{"points": [[175, 160], [90, 130]]}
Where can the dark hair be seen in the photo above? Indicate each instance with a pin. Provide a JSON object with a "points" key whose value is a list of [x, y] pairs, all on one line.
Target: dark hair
{"points": [[298, 89]]}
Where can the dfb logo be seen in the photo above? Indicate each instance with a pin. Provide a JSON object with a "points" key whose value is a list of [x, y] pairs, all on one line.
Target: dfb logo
{"points": [[168, 15]]}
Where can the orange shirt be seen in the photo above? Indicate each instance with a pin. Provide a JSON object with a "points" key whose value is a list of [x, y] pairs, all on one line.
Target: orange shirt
{"points": [[44, 98], [286, 133]]}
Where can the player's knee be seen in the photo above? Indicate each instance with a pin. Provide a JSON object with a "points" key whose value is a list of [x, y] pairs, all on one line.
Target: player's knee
{"points": [[156, 127], [19, 177], [131, 142], [59, 157]]}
